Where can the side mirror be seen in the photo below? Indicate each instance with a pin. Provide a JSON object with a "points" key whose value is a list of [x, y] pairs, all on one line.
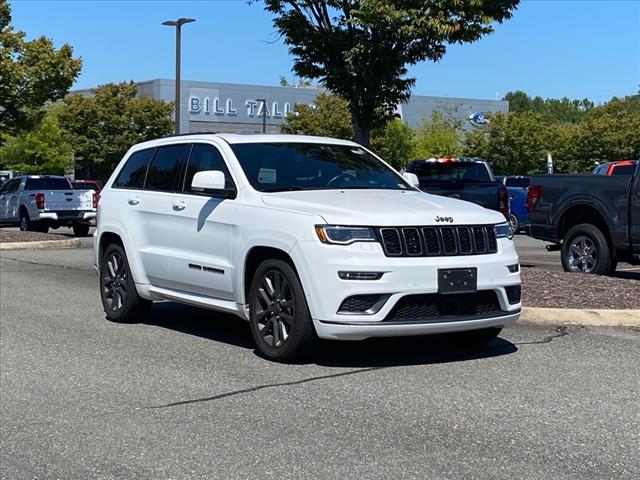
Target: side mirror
{"points": [[212, 182], [412, 179]]}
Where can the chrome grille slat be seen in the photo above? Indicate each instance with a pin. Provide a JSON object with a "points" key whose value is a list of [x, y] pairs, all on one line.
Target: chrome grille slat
{"points": [[443, 240]]}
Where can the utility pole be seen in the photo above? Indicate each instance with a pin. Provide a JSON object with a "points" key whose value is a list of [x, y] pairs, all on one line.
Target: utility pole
{"points": [[178, 24]]}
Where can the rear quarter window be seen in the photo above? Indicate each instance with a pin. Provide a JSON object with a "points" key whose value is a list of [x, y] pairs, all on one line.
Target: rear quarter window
{"points": [[167, 167], [134, 171]]}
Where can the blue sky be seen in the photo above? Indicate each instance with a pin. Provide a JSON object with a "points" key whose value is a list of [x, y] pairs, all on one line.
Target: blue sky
{"points": [[574, 48]]}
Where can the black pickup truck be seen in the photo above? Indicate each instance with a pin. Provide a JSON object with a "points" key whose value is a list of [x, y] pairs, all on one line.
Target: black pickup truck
{"points": [[465, 178], [593, 219]]}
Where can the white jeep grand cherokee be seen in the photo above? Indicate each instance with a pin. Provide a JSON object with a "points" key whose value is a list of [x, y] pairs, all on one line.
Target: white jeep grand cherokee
{"points": [[304, 237]]}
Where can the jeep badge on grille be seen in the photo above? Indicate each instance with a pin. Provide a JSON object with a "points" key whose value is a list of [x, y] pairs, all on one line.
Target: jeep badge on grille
{"points": [[444, 219]]}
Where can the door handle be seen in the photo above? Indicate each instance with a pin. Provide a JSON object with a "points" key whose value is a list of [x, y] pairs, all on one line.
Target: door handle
{"points": [[133, 200], [179, 205]]}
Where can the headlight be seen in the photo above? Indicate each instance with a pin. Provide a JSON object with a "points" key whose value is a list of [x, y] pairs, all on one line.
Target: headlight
{"points": [[503, 230], [344, 235]]}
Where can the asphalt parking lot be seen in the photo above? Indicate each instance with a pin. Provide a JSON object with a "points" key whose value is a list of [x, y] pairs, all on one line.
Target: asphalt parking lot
{"points": [[185, 396]]}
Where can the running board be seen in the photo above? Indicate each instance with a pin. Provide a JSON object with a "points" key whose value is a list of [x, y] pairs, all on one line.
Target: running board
{"points": [[228, 306]]}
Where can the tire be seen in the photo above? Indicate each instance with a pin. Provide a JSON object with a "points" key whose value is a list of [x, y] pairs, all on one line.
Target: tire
{"points": [[25, 223], [41, 226], [514, 224], [474, 337], [279, 317], [80, 229], [120, 299], [585, 250]]}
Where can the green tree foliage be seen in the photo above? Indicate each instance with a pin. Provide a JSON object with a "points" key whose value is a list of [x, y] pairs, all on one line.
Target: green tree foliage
{"points": [[103, 126], [552, 109], [328, 117], [394, 143], [360, 49], [31, 74], [38, 151], [439, 135]]}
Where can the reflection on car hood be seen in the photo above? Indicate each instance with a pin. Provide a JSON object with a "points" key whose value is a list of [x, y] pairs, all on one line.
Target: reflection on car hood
{"points": [[382, 207]]}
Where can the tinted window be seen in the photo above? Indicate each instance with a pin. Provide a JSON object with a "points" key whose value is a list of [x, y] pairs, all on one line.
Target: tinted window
{"points": [[272, 167], [518, 182], [133, 173], [601, 170], [10, 186], [206, 157], [165, 171], [624, 170], [53, 183], [436, 172]]}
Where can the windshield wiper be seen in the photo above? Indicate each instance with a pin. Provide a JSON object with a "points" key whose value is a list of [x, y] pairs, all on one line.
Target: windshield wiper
{"points": [[292, 188]]}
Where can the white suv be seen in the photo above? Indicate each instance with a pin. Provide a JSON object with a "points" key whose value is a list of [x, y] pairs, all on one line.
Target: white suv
{"points": [[304, 237]]}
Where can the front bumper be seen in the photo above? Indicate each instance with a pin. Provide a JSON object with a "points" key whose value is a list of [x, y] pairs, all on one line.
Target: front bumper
{"points": [[318, 266]]}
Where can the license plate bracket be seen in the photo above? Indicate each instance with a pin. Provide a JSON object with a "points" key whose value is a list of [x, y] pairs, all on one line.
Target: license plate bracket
{"points": [[457, 280]]}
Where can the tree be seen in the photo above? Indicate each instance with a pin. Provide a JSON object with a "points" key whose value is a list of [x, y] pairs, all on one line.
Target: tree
{"points": [[101, 127], [554, 110], [39, 151], [394, 143], [328, 117], [32, 73], [440, 135], [360, 49]]}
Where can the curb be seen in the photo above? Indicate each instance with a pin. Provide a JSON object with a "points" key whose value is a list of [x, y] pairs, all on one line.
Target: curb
{"points": [[575, 316], [40, 245]]}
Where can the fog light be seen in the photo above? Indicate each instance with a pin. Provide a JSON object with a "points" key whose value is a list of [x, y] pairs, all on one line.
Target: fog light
{"points": [[360, 275], [514, 268]]}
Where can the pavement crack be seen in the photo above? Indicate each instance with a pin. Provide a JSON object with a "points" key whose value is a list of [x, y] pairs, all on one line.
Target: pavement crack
{"points": [[262, 387], [560, 331], [66, 267]]}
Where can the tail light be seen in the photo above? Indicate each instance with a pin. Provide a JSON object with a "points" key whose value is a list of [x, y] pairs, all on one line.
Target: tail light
{"points": [[40, 201], [533, 197], [503, 200], [96, 199]]}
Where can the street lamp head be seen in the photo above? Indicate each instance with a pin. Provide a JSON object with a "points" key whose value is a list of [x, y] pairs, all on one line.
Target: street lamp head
{"points": [[169, 23], [179, 22]]}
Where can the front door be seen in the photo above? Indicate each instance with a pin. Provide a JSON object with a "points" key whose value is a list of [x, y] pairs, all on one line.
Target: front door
{"points": [[202, 232]]}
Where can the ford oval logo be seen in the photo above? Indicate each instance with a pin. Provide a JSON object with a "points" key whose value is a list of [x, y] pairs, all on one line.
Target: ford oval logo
{"points": [[479, 119]]}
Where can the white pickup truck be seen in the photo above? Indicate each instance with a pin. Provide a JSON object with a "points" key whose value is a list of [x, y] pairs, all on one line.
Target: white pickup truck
{"points": [[40, 202]]}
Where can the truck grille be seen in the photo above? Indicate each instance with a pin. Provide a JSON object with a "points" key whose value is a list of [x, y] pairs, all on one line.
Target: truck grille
{"points": [[438, 241], [435, 307]]}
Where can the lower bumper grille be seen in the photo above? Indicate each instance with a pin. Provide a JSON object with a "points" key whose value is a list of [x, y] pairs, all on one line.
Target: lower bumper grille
{"points": [[434, 307], [514, 294]]}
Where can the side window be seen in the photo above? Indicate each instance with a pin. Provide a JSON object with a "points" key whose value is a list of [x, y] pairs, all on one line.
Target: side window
{"points": [[206, 157], [165, 171], [14, 186], [8, 187], [133, 173]]}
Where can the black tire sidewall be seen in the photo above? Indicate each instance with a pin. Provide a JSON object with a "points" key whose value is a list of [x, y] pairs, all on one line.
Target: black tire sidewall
{"points": [[300, 341], [80, 229], [24, 215], [134, 307], [604, 261]]}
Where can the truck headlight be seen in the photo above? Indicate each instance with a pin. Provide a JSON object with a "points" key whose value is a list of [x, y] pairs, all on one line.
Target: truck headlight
{"points": [[339, 235], [503, 230]]}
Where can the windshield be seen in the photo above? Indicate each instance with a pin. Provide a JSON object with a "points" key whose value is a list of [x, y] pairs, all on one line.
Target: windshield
{"points": [[628, 169], [84, 186], [277, 167], [467, 172], [50, 183]]}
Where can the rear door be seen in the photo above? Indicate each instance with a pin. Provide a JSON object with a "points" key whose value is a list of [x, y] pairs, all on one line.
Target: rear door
{"points": [[9, 200], [202, 231]]}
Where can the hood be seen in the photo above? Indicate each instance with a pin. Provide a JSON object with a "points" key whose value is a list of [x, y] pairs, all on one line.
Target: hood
{"points": [[382, 207]]}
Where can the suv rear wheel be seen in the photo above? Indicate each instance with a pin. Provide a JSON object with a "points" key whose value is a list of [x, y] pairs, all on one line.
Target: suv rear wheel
{"points": [[120, 299], [280, 321], [586, 250]]}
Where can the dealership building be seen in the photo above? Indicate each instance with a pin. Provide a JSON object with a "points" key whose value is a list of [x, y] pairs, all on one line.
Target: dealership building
{"points": [[229, 107]]}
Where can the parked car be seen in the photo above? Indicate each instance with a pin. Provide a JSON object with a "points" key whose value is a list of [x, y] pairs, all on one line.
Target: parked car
{"points": [[593, 219], [302, 237], [622, 167], [38, 202], [94, 185], [518, 214], [463, 178]]}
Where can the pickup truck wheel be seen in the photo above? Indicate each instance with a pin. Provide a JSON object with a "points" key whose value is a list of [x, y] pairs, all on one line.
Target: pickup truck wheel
{"points": [[514, 223], [80, 229], [586, 250], [120, 299], [25, 223], [281, 324]]}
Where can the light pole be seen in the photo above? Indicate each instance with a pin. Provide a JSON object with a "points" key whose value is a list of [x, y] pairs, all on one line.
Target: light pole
{"points": [[178, 23], [264, 113]]}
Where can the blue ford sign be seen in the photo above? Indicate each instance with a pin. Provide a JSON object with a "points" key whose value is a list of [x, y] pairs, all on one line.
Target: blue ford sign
{"points": [[479, 119]]}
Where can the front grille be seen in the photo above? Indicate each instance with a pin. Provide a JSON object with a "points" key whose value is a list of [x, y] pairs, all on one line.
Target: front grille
{"points": [[358, 303], [435, 307], [514, 293], [436, 241]]}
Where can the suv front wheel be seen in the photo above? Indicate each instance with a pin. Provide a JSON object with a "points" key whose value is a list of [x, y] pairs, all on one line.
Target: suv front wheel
{"points": [[281, 324], [120, 299]]}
